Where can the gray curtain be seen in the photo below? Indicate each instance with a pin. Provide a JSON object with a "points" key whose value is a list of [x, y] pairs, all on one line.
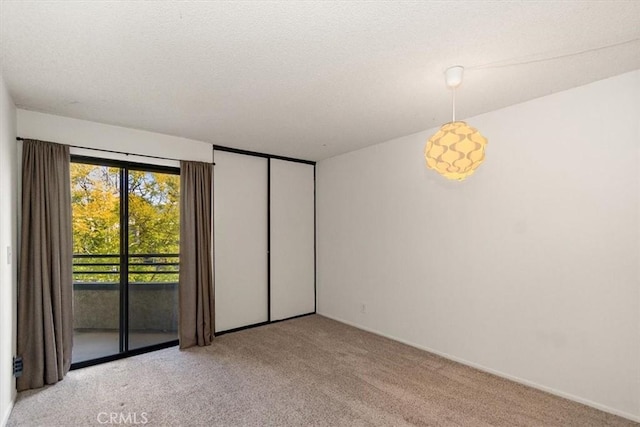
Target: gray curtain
{"points": [[45, 313], [196, 298]]}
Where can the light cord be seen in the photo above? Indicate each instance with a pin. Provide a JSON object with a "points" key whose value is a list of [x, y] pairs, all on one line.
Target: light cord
{"points": [[531, 59], [453, 104]]}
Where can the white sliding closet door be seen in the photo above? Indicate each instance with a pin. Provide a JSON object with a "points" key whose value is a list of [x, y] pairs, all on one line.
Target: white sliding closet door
{"points": [[240, 236], [292, 239]]}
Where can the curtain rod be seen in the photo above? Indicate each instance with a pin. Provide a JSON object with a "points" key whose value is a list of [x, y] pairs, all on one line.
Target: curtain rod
{"points": [[119, 152]]}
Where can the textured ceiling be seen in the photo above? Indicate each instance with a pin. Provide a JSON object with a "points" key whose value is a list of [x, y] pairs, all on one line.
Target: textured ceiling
{"points": [[303, 79]]}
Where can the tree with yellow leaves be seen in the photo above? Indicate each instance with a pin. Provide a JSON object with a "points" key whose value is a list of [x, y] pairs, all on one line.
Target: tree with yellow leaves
{"points": [[153, 222]]}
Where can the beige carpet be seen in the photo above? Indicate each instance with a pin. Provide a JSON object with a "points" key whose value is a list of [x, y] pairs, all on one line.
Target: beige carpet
{"points": [[307, 371]]}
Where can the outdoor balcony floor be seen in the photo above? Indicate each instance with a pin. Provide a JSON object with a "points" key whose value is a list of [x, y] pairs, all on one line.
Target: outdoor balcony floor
{"points": [[89, 345]]}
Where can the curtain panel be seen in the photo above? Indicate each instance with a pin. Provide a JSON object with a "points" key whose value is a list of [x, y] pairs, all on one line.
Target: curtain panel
{"points": [[195, 290], [45, 312]]}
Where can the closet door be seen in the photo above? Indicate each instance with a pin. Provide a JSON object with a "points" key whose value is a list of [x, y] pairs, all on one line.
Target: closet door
{"points": [[292, 239], [241, 240]]}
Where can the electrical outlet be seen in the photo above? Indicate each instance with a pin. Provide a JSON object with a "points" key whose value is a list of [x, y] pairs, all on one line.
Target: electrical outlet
{"points": [[17, 366], [363, 308]]}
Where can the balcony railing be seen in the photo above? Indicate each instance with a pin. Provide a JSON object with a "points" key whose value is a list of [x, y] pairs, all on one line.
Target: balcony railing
{"points": [[103, 271], [152, 291]]}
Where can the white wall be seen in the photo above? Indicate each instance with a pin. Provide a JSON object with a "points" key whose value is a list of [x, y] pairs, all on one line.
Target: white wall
{"points": [[83, 133], [528, 269], [8, 234]]}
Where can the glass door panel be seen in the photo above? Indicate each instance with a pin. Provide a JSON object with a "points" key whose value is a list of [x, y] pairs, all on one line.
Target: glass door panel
{"points": [[95, 195], [153, 261]]}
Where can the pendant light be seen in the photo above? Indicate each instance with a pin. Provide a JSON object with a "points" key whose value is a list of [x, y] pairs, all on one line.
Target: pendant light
{"points": [[457, 149]]}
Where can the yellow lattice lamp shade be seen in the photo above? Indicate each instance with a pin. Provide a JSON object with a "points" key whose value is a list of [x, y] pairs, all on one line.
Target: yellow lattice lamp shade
{"points": [[455, 151]]}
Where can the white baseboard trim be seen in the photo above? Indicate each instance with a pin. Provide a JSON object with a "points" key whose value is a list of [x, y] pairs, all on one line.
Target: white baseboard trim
{"points": [[7, 413], [532, 384]]}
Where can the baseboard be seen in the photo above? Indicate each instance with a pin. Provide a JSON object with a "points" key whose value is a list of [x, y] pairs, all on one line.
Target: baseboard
{"points": [[7, 414], [519, 380]]}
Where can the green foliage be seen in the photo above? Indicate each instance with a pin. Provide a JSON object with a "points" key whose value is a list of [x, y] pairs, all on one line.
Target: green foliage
{"points": [[154, 223]]}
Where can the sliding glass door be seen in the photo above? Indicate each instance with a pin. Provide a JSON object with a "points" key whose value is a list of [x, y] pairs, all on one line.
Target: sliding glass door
{"points": [[126, 240]]}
